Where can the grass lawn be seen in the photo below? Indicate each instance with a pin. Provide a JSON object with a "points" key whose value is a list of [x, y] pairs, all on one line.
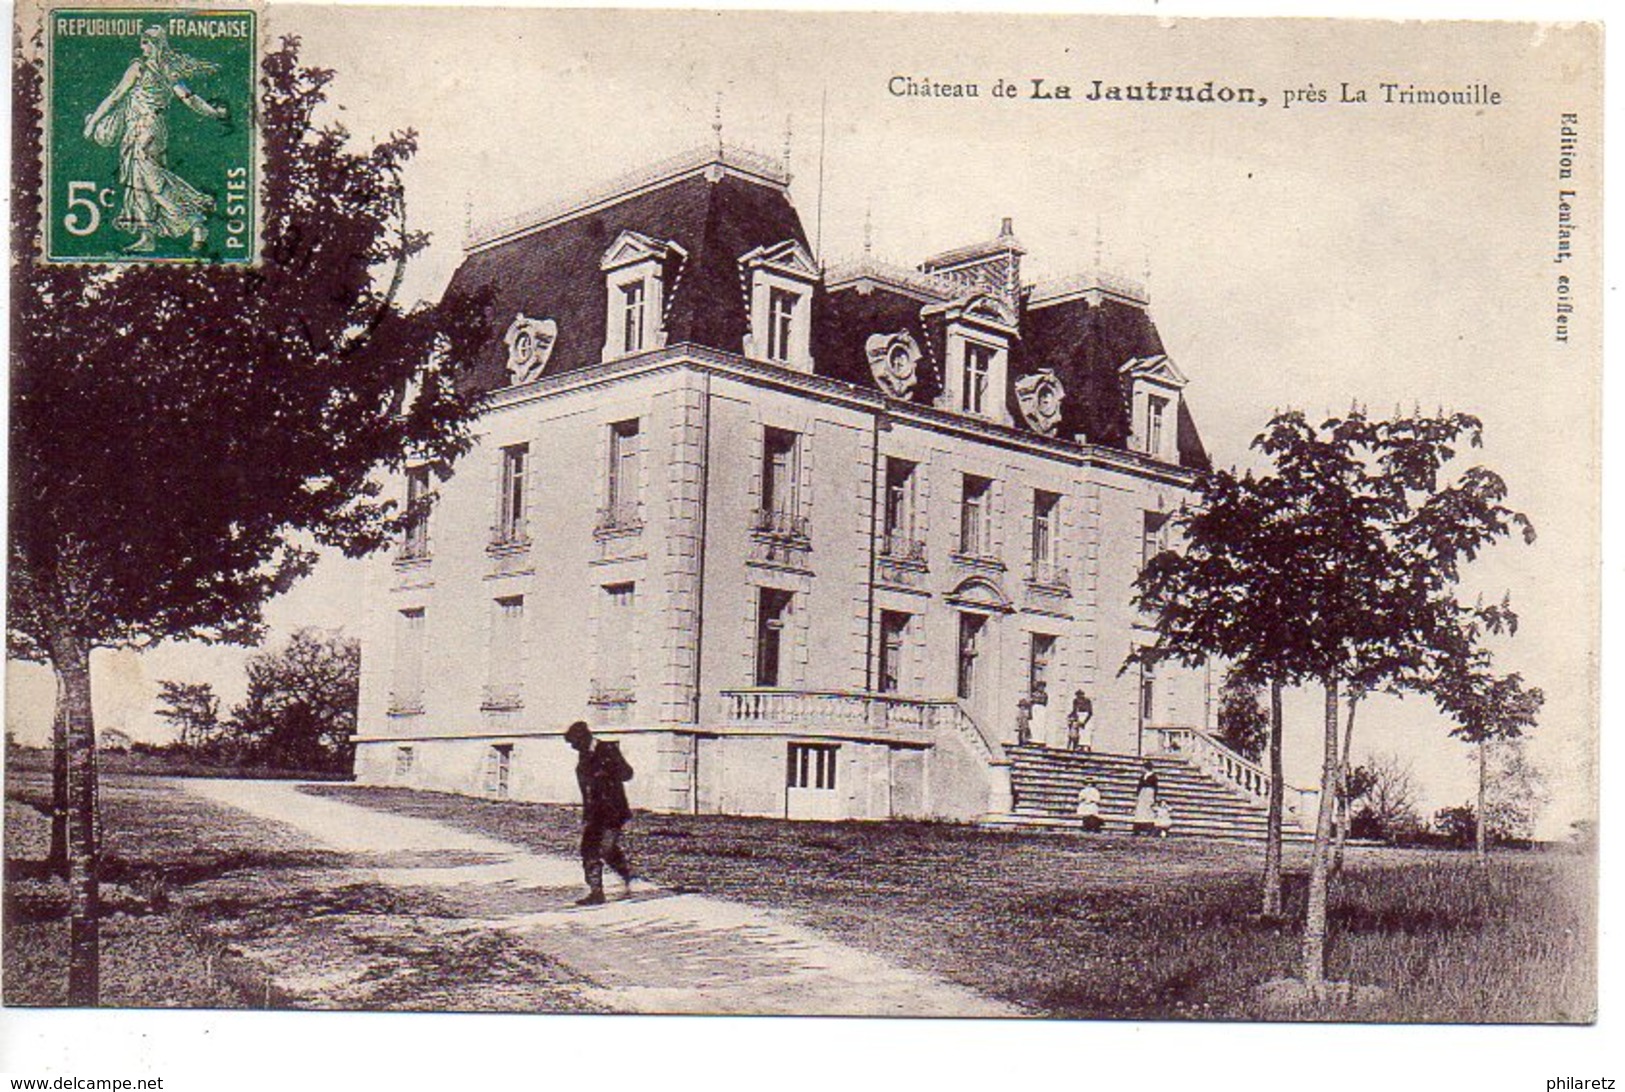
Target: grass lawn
{"points": [[1109, 926], [204, 907]]}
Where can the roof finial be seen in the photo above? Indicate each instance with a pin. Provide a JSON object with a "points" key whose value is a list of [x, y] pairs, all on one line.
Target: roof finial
{"points": [[716, 124], [789, 120], [1100, 245], [1007, 228], [868, 231]]}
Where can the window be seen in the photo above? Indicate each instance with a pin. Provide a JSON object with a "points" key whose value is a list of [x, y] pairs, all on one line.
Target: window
{"points": [[1156, 412], [405, 759], [1153, 537], [772, 612], [811, 766], [503, 689], [511, 505], [977, 367], [625, 482], [970, 634], [1148, 695], [617, 645], [780, 317], [781, 491], [1044, 512], [633, 298], [416, 541], [1041, 653], [974, 518], [897, 518], [498, 770], [406, 691], [893, 642]]}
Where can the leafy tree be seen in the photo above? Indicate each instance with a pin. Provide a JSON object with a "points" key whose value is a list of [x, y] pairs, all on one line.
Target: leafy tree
{"points": [[1338, 567], [1225, 594], [300, 711], [1244, 723], [1386, 535], [182, 434], [193, 710], [1487, 709], [1457, 824], [1514, 791], [1382, 795]]}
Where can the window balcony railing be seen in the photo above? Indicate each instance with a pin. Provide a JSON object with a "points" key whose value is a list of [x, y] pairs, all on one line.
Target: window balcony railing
{"points": [[501, 697], [405, 705], [414, 547], [903, 548], [774, 523], [621, 691], [509, 539], [1049, 574], [620, 518]]}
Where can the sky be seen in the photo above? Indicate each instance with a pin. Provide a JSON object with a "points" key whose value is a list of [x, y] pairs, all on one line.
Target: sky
{"points": [[1307, 257]]}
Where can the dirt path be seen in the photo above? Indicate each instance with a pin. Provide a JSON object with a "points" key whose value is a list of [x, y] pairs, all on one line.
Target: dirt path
{"points": [[655, 951]]}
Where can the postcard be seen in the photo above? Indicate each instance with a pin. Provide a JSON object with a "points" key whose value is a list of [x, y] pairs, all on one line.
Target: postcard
{"points": [[804, 514]]}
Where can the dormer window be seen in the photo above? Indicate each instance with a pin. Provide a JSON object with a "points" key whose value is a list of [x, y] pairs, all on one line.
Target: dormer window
{"points": [[1156, 412], [782, 307], [634, 297], [780, 281], [636, 270], [979, 332], [1155, 388], [978, 366]]}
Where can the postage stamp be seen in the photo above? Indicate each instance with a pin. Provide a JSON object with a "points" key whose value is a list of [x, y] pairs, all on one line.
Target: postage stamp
{"points": [[149, 130]]}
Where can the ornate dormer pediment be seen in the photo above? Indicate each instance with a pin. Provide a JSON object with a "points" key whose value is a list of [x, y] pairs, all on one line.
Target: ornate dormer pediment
{"points": [[530, 347], [789, 259], [1157, 369], [632, 247], [981, 310]]}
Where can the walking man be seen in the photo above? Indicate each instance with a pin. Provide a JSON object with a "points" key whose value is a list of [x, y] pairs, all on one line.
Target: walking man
{"points": [[601, 771]]}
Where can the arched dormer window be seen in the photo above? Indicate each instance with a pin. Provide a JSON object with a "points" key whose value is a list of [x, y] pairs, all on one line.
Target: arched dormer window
{"points": [[635, 290], [1156, 386], [977, 359], [779, 282]]}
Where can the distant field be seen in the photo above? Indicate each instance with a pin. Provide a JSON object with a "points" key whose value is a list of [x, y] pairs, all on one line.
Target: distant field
{"points": [[1109, 926]]}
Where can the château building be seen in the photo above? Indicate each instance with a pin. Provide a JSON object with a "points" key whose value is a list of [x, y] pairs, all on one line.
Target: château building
{"points": [[800, 537]]}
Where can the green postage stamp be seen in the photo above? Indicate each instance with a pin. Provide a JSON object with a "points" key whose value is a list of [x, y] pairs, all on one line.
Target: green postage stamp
{"points": [[150, 151]]}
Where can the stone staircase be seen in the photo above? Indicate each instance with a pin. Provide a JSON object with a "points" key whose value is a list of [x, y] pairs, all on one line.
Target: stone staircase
{"points": [[1045, 784]]}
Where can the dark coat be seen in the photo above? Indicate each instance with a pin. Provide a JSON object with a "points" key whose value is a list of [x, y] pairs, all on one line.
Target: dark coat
{"points": [[602, 772]]}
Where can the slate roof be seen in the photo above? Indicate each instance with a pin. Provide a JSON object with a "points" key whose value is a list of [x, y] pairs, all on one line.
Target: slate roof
{"points": [[551, 270]]}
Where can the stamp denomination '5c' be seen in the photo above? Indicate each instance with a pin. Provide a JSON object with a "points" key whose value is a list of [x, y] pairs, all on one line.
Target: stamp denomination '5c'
{"points": [[149, 130]]}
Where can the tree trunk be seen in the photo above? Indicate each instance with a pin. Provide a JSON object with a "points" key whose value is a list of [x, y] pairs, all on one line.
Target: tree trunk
{"points": [[1272, 832], [70, 657], [56, 860], [1314, 925], [1481, 848], [1345, 808]]}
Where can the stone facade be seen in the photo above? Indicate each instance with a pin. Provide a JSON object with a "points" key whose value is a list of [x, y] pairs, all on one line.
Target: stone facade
{"points": [[786, 589]]}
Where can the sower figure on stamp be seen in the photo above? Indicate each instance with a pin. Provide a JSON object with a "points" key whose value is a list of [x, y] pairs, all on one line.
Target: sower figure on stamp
{"points": [[157, 201], [601, 771]]}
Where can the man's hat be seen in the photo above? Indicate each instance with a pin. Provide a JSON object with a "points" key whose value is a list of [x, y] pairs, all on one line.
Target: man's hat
{"points": [[577, 733]]}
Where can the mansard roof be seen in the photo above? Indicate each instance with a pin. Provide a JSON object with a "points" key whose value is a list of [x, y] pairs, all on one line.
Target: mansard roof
{"points": [[702, 218], [704, 214]]}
